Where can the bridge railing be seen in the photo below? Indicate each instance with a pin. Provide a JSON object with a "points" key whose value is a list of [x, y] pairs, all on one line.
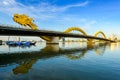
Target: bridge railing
{"points": [[21, 27], [14, 26]]}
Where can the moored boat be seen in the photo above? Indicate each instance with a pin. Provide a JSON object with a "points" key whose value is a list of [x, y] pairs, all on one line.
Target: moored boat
{"points": [[19, 43]]}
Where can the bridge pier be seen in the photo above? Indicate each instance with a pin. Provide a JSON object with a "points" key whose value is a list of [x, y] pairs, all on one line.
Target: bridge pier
{"points": [[90, 43], [54, 40]]}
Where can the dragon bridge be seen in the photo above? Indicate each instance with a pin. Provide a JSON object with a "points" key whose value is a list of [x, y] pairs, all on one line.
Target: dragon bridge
{"points": [[24, 20]]}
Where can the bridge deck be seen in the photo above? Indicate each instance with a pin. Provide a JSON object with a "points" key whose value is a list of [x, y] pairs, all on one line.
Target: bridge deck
{"points": [[6, 30]]}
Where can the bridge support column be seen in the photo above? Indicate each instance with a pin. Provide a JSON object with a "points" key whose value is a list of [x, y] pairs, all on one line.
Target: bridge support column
{"points": [[55, 40], [90, 43]]}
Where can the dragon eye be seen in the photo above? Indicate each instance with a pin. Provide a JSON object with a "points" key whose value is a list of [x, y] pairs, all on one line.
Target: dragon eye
{"points": [[16, 16]]}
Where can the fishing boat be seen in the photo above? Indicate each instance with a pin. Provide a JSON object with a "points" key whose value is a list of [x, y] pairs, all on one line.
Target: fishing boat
{"points": [[19, 43], [10, 43]]}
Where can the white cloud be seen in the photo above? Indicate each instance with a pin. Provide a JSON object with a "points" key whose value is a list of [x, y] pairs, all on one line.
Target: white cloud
{"points": [[11, 7], [8, 2], [43, 9], [53, 8], [75, 5], [5, 3]]}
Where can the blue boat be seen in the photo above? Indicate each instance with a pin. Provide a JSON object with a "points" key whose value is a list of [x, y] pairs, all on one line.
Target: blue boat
{"points": [[19, 43], [10, 43], [25, 43]]}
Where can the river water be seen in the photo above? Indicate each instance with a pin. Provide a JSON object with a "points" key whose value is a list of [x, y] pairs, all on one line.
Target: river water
{"points": [[69, 61]]}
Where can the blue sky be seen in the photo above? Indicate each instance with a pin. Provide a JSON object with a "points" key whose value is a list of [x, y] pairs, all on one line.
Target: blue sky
{"points": [[90, 15]]}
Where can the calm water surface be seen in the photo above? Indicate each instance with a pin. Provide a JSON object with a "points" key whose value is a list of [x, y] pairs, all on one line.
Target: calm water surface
{"points": [[69, 61]]}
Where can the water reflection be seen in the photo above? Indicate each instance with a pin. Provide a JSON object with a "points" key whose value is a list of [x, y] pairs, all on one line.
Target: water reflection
{"points": [[100, 50], [24, 67], [26, 60], [113, 46]]}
